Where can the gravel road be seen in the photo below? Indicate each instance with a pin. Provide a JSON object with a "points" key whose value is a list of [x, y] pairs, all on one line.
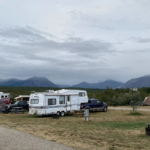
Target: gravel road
{"points": [[16, 140], [120, 108]]}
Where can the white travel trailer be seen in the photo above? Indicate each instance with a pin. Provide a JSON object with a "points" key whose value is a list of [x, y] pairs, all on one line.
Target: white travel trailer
{"points": [[4, 95], [56, 102]]}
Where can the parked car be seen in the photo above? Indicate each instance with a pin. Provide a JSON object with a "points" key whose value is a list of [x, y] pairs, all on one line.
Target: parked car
{"points": [[95, 105], [22, 104]]}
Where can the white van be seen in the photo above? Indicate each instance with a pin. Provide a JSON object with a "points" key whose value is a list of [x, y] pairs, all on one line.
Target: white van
{"points": [[56, 102]]}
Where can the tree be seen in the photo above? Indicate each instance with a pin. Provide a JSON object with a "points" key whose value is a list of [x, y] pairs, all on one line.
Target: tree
{"points": [[135, 99]]}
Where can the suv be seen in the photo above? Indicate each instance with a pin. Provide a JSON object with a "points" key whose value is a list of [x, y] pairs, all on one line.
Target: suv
{"points": [[22, 104]]}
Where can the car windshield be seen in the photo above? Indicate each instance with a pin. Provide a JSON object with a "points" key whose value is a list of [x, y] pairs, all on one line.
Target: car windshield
{"points": [[17, 102]]}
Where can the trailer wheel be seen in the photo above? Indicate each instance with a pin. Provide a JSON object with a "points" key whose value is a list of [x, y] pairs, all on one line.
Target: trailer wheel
{"points": [[62, 113], [58, 113]]}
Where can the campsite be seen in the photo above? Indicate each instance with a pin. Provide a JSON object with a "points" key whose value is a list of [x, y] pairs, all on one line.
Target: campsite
{"points": [[113, 130]]}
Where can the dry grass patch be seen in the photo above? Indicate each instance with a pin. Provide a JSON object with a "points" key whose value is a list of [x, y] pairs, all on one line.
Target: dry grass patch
{"points": [[112, 130]]}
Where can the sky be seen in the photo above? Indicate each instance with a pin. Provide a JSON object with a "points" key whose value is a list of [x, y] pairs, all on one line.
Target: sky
{"points": [[71, 41]]}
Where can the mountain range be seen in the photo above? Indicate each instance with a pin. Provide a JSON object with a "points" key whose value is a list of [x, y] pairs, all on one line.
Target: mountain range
{"points": [[44, 82], [99, 85], [137, 82], [34, 82]]}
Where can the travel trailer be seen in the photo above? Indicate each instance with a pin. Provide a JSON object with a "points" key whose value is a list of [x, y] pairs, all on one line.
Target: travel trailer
{"points": [[22, 98], [56, 102], [5, 97]]}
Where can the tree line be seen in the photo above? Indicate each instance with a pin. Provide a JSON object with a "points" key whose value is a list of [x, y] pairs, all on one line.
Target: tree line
{"points": [[120, 96]]}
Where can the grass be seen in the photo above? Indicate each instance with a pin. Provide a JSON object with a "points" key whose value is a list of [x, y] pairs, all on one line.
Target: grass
{"points": [[113, 130], [135, 113]]}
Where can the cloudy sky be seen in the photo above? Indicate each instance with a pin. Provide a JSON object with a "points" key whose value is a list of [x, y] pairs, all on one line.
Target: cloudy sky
{"points": [[69, 41]]}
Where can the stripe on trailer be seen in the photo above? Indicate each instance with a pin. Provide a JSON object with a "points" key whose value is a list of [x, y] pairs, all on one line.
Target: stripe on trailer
{"points": [[52, 106]]}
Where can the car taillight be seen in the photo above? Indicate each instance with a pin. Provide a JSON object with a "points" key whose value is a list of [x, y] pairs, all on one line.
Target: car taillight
{"points": [[42, 107], [81, 106]]}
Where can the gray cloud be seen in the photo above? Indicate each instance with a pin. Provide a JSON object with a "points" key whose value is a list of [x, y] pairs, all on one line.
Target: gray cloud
{"points": [[40, 53], [143, 40], [73, 41], [29, 38]]}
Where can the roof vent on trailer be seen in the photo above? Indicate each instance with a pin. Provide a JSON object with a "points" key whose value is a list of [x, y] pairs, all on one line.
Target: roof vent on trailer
{"points": [[32, 92], [49, 91]]}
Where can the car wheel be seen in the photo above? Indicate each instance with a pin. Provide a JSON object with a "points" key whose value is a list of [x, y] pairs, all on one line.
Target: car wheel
{"points": [[104, 109], [62, 113]]}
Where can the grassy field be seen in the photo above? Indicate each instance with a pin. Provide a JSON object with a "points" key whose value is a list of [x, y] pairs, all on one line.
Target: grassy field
{"points": [[111, 130]]}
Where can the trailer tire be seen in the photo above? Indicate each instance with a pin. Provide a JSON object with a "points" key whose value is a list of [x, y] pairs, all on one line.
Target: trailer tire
{"points": [[33, 111], [58, 113], [62, 113]]}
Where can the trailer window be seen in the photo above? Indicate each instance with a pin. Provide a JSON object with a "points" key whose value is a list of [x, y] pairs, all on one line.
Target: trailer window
{"points": [[61, 99], [82, 94], [34, 101], [52, 101]]}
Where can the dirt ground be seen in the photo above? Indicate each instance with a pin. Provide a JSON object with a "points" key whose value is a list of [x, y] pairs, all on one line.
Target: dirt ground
{"points": [[16, 140], [139, 108]]}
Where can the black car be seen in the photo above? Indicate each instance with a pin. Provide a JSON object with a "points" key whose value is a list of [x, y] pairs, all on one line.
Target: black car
{"points": [[22, 104]]}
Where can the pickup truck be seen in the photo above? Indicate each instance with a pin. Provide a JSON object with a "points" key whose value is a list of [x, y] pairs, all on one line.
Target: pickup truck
{"points": [[94, 105], [22, 104]]}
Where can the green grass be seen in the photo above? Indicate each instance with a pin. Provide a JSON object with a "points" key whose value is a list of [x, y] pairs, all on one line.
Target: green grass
{"points": [[135, 114], [124, 125]]}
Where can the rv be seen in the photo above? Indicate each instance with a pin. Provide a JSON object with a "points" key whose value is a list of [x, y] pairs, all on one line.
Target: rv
{"points": [[56, 102], [5, 97]]}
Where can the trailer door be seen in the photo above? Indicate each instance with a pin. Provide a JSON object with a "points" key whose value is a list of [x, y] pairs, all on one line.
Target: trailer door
{"points": [[68, 103]]}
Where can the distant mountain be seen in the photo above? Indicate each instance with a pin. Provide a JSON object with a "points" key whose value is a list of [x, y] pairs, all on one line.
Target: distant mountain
{"points": [[137, 82], [63, 85], [34, 82], [99, 85], [109, 83], [84, 85], [8, 82]]}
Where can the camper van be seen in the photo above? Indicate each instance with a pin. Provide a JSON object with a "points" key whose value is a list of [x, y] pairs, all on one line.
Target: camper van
{"points": [[56, 102]]}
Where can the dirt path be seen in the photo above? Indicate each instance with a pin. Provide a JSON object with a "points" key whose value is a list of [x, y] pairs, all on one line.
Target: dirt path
{"points": [[15, 140], [120, 108]]}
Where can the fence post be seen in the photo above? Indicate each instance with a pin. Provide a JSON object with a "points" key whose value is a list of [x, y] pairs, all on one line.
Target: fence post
{"points": [[86, 114]]}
